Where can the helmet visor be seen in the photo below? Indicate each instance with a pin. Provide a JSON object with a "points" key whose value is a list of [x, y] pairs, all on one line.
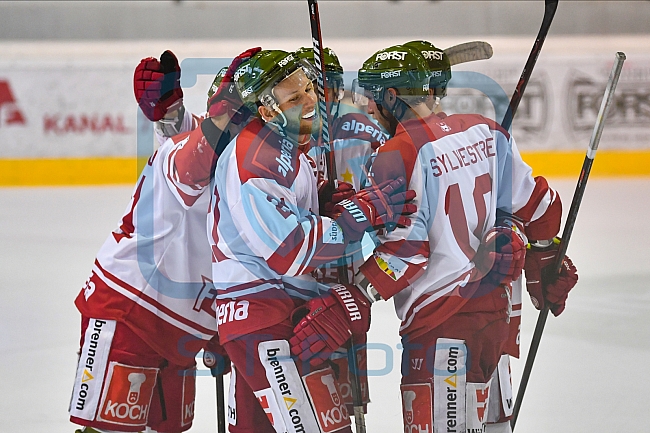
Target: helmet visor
{"points": [[268, 97], [361, 93]]}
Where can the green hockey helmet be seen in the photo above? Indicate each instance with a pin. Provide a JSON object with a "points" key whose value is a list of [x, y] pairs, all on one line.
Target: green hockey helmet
{"points": [[256, 78], [333, 68], [397, 67], [438, 63]]}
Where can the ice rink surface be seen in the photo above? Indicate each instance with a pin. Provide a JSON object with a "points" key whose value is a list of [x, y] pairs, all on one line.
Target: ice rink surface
{"points": [[591, 373]]}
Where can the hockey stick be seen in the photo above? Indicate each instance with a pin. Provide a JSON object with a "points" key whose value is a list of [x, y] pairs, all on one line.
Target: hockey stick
{"points": [[323, 102], [570, 223], [355, 385], [468, 52], [324, 108], [210, 361], [221, 413], [549, 13]]}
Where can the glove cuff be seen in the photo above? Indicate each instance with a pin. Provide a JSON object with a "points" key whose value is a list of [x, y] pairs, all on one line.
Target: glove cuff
{"points": [[514, 224], [544, 244], [366, 287]]}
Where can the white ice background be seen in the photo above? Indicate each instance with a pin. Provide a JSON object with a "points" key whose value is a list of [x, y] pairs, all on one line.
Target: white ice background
{"points": [[591, 373]]}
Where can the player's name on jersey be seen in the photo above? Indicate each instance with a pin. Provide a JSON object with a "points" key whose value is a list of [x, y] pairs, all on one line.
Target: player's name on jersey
{"points": [[462, 157]]}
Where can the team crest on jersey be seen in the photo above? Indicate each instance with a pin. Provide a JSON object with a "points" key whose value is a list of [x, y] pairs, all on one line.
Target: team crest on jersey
{"points": [[444, 127]]}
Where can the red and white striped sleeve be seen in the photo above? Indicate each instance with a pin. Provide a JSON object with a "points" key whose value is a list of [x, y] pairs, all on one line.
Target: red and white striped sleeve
{"points": [[191, 162], [533, 200], [403, 254]]}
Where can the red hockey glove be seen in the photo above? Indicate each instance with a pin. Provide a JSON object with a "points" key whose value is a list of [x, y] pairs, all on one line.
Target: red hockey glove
{"points": [[157, 85], [215, 357], [325, 323], [328, 197], [544, 287], [502, 252], [226, 99], [374, 208]]}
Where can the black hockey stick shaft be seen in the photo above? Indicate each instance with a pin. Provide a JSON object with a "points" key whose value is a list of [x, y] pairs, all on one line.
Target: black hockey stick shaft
{"points": [[550, 7], [570, 223], [549, 13], [221, 413], [210, 360], [355, 385], [324, 109], [323, 97]]}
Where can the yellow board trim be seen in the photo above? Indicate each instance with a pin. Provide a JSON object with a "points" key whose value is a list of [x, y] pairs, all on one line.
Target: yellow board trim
{"points": [[606, 163], [73, 171], [111, 171]]}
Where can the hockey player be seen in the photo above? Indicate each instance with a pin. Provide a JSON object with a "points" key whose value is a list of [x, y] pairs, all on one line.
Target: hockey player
{"points": [[148, 306], [466, 171], [244, 411], [267, 237]]}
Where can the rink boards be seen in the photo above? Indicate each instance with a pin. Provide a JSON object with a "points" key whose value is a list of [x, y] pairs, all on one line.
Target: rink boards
{"points": [[68, 115]]}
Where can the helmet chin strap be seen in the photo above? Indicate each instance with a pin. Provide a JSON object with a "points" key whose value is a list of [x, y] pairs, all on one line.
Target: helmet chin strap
{"points": [[335, 112], [392, 120], [436, 103], [269, 102], [285, 122], [399, 109]]}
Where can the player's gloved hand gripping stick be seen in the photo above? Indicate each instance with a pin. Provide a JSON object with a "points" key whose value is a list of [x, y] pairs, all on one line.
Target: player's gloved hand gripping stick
{"points": [[383, 206], [327, 322]]}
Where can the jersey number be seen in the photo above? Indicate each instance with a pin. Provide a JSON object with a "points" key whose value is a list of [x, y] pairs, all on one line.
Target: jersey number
{"points": [[455, 210]]}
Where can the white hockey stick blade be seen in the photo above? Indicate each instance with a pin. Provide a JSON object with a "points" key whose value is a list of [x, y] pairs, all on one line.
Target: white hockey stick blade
{"points": [[469, 52]]}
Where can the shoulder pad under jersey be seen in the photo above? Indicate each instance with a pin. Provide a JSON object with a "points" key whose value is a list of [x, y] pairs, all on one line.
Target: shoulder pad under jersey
{"points": [[263, 153]]}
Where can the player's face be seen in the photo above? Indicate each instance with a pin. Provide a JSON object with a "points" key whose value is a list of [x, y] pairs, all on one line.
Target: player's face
{"points": [[297, 100]]}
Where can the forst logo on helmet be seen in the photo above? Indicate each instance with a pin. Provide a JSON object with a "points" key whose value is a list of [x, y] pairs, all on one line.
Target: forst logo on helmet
{"points": [[282, 63], [391, 74], [241, 71], [247, 92], [432, 55], [391, 55]]}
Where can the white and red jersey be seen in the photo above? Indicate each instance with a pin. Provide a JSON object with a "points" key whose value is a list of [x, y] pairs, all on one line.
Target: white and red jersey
{"points": [[153, 273], [265, 231], [463, 168], [354, 138]]}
